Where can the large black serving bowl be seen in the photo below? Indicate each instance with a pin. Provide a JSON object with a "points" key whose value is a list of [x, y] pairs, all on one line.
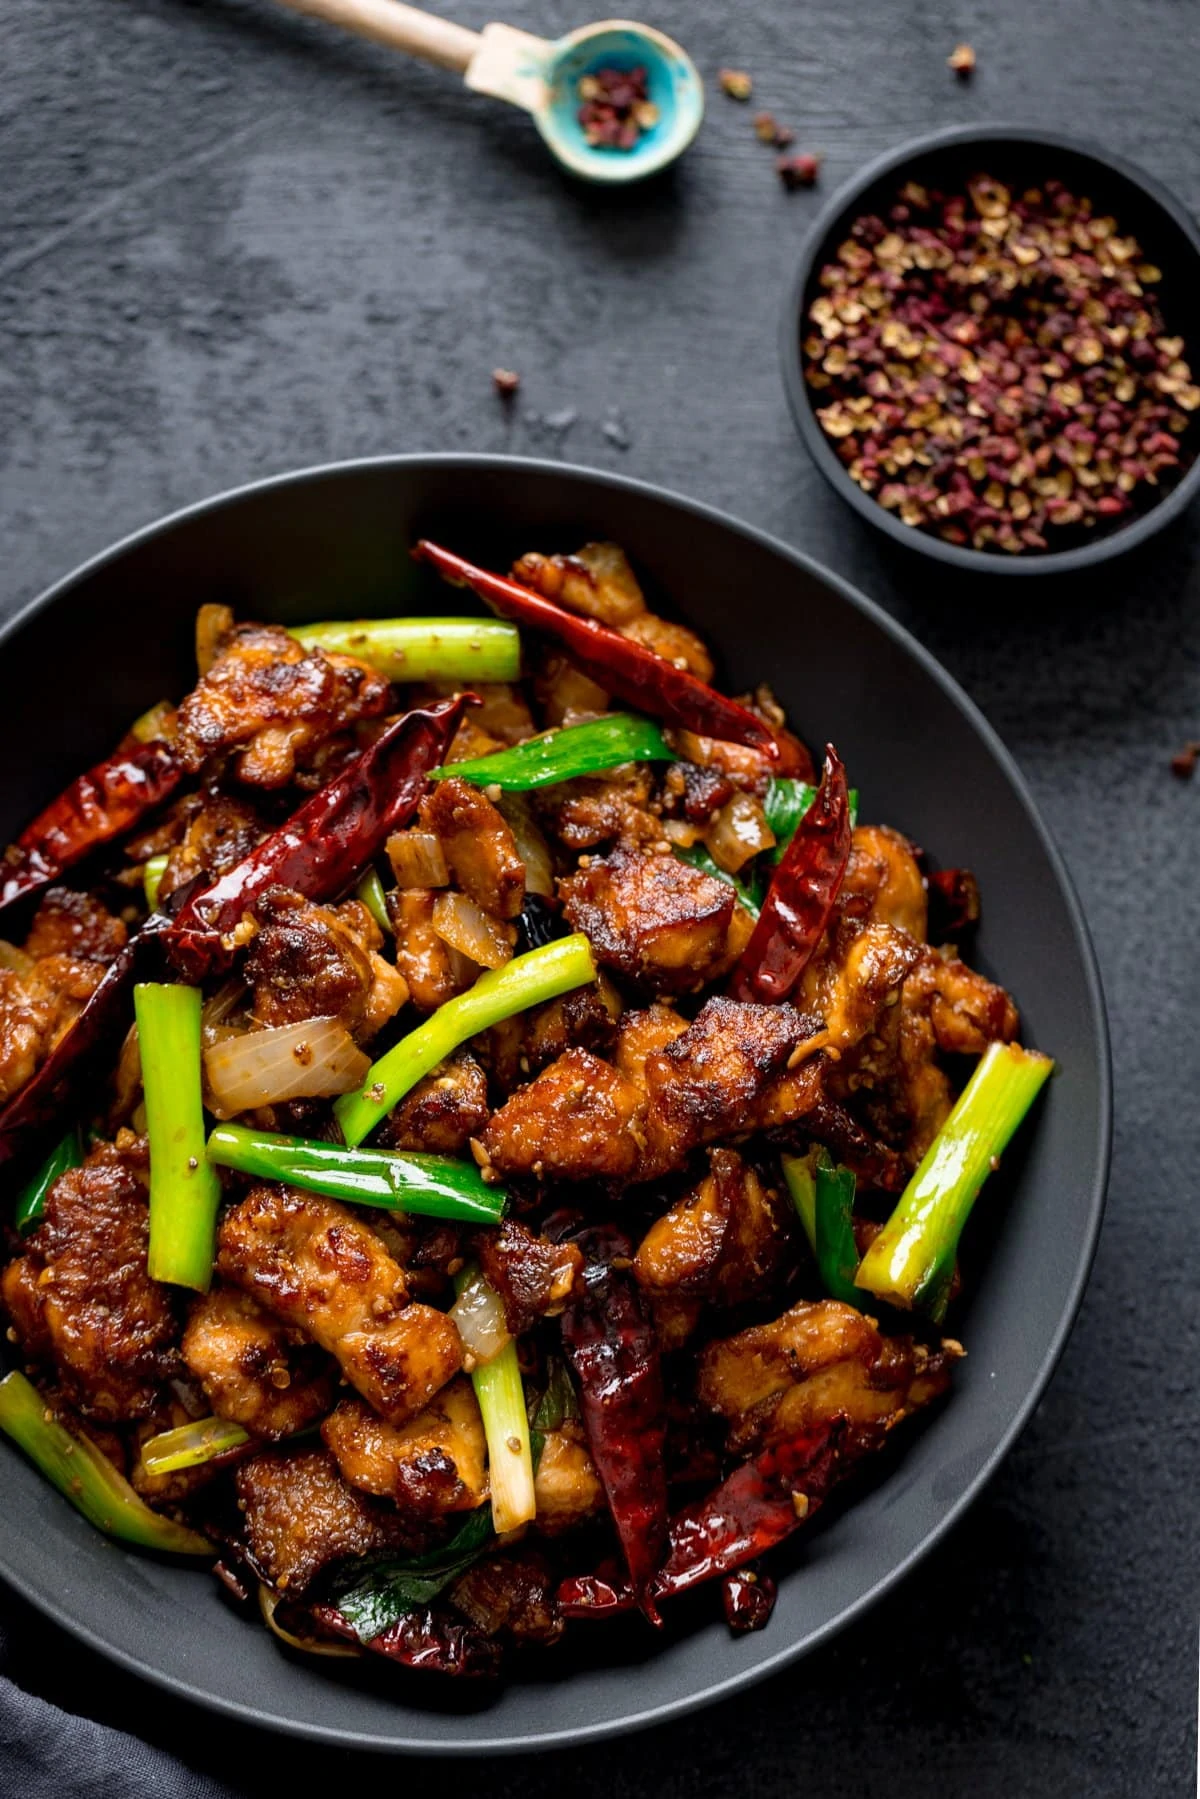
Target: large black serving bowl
{"points": [[112, 639]]}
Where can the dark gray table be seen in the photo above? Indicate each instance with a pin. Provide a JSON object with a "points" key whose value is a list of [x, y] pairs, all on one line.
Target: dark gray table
{"points": [[231, 244]]}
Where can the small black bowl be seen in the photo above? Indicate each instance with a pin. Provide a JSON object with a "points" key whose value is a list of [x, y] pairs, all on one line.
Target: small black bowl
{"points": [[1018, 155]]}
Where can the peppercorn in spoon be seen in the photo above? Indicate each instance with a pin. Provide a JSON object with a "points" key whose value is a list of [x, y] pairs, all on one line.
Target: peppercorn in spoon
{"points": [[614, 101]]}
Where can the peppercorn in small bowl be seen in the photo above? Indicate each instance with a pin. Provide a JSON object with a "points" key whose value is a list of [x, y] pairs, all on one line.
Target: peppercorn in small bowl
{"points": [[991, 348]]}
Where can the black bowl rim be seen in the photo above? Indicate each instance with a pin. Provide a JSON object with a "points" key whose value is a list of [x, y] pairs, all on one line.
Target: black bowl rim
{"points": [[893, 162], [660, 1713]]}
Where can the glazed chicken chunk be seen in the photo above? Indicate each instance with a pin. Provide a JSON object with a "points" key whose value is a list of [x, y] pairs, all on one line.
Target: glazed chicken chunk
{"points": [[656, 920], [80, 1296], [432, 1465], [271, 703], [261, 1374], [301, 1518], [311, 1263]]}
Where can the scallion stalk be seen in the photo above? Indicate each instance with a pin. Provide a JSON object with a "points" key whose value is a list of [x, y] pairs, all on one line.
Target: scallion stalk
{"points": [[785, 803], [88, 1479], [370, 892], [423, 649], [501, 1396], [152, 873], [184, 1188], [529, 980], [911, 1262], [31, 1201], [823, 1195], [564, 754], [398, 1180], [190, 1445]]}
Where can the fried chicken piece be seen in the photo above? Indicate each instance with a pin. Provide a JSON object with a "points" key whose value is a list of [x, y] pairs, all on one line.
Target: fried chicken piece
{"points": [[674, 642], [726, 1242], [301, 1517], [434, 1464], [274, 703], [607, 808], [221, 831], [80, 1297], [598, 582], [586, 1018], [657, 920], [565, 1483], [432, 971], [36, 1009], [819, 1361], [503, 711], [565, 695], [77, 925], [71, 940], [255, 1371], [706, 1083], [577, 1121], [965, 1009], [511, 1596], [851, 985], [643, 1034], [310, 961], [883, 882], [312, 1264], [532, 1275], [443, 1112], [480, 849]]}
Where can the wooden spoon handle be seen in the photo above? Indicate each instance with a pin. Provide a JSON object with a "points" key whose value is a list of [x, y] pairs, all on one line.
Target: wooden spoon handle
{"points": [[400, 27]]}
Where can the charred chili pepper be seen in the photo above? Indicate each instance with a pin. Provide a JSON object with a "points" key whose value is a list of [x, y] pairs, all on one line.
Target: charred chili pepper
{"points": [[748, 1598], [426, 1639], [954, 904], [327, 843], [801, 895], [622, 667], [611, 1346], [763, 1501], [98, 806]]}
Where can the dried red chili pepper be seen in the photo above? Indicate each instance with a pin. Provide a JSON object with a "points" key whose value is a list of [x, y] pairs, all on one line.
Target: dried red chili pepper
{"points": [[763, 1501], [325, 844], [748, 1597], [98, 806], [612, 1348], [801, 895], [954, 902], [426, 1639], [623, 668]]}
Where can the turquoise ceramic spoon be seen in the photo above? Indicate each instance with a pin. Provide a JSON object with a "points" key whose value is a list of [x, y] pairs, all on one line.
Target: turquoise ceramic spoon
{"points": [[543, 76]]}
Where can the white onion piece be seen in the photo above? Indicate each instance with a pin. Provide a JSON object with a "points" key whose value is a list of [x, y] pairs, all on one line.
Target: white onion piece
{"points": [[314, 1059], [738, 832], [220, 1006], [462, 924], [479, 1314], [417, 859], [532, 847]]}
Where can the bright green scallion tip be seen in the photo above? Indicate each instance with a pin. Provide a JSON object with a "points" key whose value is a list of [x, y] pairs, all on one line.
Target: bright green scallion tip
{"points": [[910, 1264]]}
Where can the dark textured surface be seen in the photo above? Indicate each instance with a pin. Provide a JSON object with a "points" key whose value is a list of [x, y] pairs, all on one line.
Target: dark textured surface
{"points": [[230, 245]]}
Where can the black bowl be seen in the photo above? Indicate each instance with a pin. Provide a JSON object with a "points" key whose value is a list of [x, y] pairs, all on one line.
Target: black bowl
{"points": [[118, 634], [1142, 206]]}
